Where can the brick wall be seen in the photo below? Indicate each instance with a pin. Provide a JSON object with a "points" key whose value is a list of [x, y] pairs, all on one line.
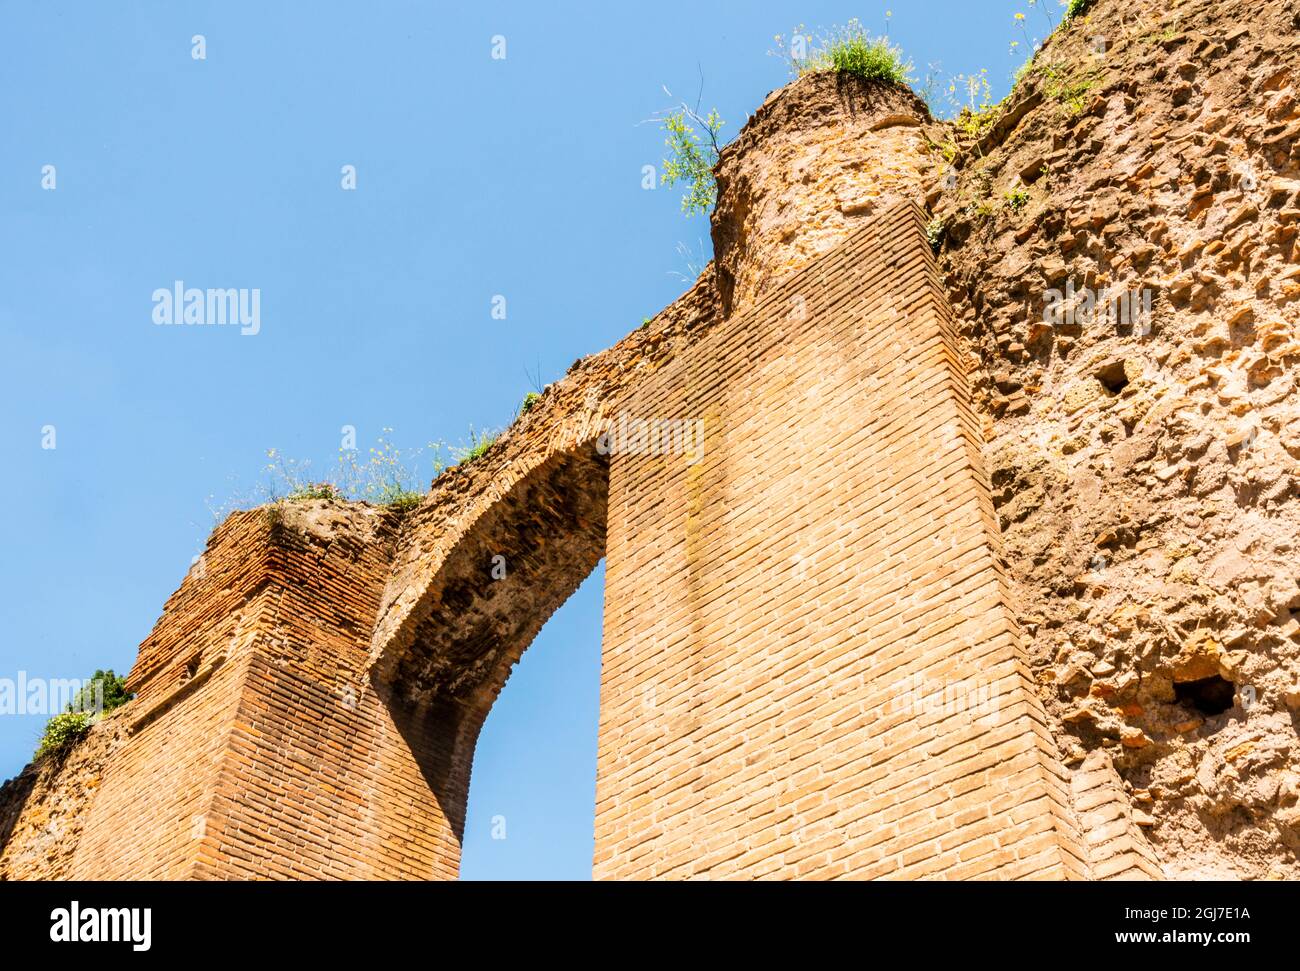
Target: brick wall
{"points": [[1109, 828], [257, 746], [324, 776], [776, 611]]}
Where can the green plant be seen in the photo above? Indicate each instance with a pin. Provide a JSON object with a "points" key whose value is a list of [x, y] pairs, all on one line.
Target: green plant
{"points": [[1023, 71], [1076, 8], [690, 158], [315, 490], [478, 445], [871, 60], [402, 499], [1069, 89], [99, 695], [974, 115], [1033, 45], [947, 149], [1047, 178], [1020, 23], [103, 692], [693, 261], [388, 477], [935, 230], [63, 731], [849, 49], [927, 92], [530, 399], [1171, 31], [1017, 198]]}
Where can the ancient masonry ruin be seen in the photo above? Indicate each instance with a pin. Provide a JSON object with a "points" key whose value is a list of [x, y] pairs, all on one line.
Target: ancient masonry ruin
{"points": [[947, 588]]}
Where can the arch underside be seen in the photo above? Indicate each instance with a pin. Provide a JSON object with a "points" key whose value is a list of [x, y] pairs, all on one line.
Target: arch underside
{"points": [[516, 565]]}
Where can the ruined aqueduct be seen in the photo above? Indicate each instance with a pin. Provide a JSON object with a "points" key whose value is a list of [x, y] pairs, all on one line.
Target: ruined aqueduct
{"points": [[860, 633]]}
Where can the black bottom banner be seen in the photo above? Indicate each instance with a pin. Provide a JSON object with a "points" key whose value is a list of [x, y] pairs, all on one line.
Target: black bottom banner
{"points": [[929, 920]]}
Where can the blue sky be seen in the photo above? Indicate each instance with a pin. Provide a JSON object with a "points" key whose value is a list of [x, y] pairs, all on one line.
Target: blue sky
{"points": [[475, 177]]}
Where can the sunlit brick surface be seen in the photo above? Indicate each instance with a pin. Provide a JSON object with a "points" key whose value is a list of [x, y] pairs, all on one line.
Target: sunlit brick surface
{"points": [[262, 754], [778, 613]]}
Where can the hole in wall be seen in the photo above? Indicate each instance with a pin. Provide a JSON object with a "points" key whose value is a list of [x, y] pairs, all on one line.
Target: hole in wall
{"points": [[1113, 377], [1210, 696]]}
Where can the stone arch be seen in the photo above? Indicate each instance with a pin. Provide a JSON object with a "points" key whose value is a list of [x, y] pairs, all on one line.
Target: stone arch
{"points": [[472, 623]]}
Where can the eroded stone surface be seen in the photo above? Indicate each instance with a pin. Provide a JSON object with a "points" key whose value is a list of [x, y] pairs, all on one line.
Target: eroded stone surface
{"points": [[1146, 478], [816, 161]]}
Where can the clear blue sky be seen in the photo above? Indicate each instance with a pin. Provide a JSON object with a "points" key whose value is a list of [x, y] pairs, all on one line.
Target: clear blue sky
{"points": [[475, 177]]}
